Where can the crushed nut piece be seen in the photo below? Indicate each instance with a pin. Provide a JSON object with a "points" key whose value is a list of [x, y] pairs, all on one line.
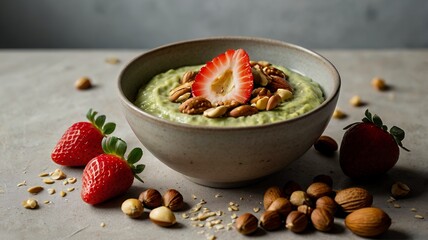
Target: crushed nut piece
{"points": [[419, 216], [48, 181], [70, 189], [338, 114], [35, 189], [51, 191], [46, 202], [256, 210], [65, 182], [194, 197], [218, 195], [241, 198], [185, 216], [63, 194], [43, 174], [413, 210], [210, 237], [204, 216], [219, 226], [379, 84], [234, 216], [23, 183], [30, 203], [396, 205], [71, 180], [102, 224], [58, 175], [112, 60], [219, 213], [356, 101], [232, 208], [83, 83]]}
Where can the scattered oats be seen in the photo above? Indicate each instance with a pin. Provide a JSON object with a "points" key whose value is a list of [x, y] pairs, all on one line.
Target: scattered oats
{"points": [[43, 174], [65, 182], [232, 208], [71, 180], [204, 216], [219, 213], [210, 237], [208, 225], [23, 183], [419, 216], [413, 209], [219, 226], [185, 216], [58, 174], [234, 216], [48, 181], [112, 60], [102, 224], [63, 194], [396, 205], [218, 195], [35, 189], [256, 210], [51, 191], [46, 202], [194, 197]]}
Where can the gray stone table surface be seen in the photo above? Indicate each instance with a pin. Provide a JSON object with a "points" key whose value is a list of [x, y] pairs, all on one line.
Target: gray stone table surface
{"points": [[38, 102]]}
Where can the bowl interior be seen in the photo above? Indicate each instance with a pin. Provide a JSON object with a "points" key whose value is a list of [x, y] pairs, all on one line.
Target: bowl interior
{"points": [[196, 52]]}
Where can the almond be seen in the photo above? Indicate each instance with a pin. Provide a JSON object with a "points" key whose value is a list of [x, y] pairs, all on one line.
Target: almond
{"points": [[368, 222], [243, 110], [322, 220], [271, 194], [351, 199], [278, 83], [318, 189]]}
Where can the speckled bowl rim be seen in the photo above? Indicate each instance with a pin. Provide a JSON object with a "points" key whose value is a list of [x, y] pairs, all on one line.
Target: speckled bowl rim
{"points": [[131, 105]]}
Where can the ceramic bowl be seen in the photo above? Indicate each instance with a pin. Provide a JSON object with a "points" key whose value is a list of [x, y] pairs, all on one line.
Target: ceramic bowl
{"points": [[227, 156]]}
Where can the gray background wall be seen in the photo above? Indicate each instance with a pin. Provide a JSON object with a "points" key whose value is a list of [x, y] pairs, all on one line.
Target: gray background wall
{"points": [[151, 23]]}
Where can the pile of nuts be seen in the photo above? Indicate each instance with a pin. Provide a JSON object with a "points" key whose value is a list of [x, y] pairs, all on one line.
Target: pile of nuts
{"points": [[271, 88], [162, 207], [297, 209]]}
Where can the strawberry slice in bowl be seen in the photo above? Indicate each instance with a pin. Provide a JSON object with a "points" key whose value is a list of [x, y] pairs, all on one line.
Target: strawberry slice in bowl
{"points": [[225, 79]]}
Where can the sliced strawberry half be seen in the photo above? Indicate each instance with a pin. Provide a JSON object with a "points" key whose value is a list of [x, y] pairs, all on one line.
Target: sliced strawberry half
{"points": [[226, 78]]}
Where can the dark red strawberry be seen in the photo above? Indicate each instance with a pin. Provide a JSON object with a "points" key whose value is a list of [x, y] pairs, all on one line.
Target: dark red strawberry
{"points": [[109, 175], [82, 141], [368, 150], [226, 78]]}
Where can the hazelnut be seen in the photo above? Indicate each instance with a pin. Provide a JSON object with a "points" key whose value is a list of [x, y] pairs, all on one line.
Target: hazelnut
{"points": [[296, 222], [322, 219], [318, 189], [399, 190], [246, 224], [379, 84], [326, 203], [282, 206], [338, 114], [324, 179], [326, 145], [151, 198], [270, 220], [83, 83], [298, 198], [162, 216], [271, 194], [173, 200], [132, 207], [307, 210], [290, 187]]}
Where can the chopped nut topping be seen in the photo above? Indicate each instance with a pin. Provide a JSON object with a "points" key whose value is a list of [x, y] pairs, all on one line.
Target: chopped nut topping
{"points": [[35, 189], [23, 183], [51, 191], [185, 216], [63, 194], [43, 174], [48, 181], [30, 203], [356, 101], [58, 175], [70, 189], [338, 114], [102, 224], [71, 180], [256, 210]]}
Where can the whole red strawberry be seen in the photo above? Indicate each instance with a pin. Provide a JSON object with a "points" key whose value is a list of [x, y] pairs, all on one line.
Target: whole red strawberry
{"points": [[82, 141], [368, 150], [109, 175]]}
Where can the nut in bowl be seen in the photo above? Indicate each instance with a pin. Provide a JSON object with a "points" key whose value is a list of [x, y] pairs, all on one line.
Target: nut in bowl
{"points": [[227, 151]]}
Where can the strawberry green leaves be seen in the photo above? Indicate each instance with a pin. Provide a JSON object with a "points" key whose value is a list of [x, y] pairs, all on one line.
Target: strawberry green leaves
{"points": [[116, 146], [397, 133], [98, 121]]}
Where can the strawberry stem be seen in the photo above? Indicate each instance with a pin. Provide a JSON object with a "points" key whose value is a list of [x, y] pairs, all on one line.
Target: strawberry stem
{"points": [[396, 132], [116, 146], [98, 122]]}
